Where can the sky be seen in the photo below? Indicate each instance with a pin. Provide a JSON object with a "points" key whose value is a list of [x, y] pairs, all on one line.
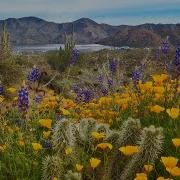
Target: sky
{"points": [[115, 12]]}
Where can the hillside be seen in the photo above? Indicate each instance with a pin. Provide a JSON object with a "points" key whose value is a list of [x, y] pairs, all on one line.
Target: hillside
{"points": [[32, 30]]}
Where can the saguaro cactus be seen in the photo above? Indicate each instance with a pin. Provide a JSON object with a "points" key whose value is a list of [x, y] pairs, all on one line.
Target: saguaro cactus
{"points": [[5, 50]]}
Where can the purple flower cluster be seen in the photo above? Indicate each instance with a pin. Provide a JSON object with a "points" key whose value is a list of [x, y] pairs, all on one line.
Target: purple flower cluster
{"points": [[100, 79], [177, 60], [23, 99], [110, 83], [75, 56], [103, 89], [38, 98], [47, 145], [165, 47], [113, 66], [83, 95], [34, 75], [136, 76], [1, 89]]}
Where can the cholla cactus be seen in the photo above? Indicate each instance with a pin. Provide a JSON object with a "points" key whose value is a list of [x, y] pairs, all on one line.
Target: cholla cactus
{"points": [[150, 146], [79, 137], [53, 166], [69, 134], [62, 135], [73, 176], [129, 131], [129, 134]]}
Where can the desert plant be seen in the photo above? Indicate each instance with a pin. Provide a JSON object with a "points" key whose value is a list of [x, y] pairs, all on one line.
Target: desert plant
{"points": [[150, 147], [61, 59], [5, 51], [53, 166]]}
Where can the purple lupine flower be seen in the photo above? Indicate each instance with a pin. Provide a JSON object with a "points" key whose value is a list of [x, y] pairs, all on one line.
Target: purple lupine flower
{"points": [[1, 89], [78, 92], [110, 83], [165, 46], [76, 88], [34, 75], [83, 95], [23, 99], [38, 98], [100, 79], [75, 56], [177, 60], [136, 76], [104, 91], [113, 66], [47, 145], [87, 95]]}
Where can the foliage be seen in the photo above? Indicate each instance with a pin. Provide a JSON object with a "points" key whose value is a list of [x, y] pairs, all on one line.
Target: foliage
{"points": [[118, 135], [61, 59]]}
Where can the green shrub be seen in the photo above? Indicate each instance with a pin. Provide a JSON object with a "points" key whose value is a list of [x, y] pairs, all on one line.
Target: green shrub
{"points": [[60, 60]]}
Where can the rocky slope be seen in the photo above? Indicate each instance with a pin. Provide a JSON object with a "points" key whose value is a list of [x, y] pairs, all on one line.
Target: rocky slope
{"points": [[32, 30]]}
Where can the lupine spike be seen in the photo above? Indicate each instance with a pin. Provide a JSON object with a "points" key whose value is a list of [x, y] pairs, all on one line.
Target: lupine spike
{"points": [[1, 89], [113, 66], [165, 46], [23, 99], [136, 76], [34, 75], [75, 56]]}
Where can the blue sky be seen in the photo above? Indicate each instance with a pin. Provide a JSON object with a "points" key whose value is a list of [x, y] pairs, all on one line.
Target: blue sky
{"points": [[114, 12]]}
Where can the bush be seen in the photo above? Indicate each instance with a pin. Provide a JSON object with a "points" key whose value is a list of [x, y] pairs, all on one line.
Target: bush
{"points": [[59, 60]]}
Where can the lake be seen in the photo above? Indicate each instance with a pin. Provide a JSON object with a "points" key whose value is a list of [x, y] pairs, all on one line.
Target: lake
{"points": [[49, 47]]}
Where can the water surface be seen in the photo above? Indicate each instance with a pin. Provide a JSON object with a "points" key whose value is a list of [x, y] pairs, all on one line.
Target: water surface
{"points": [[49, 47]]}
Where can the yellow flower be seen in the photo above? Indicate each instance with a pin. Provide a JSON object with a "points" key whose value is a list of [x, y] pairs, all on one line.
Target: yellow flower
{"points": [[156, 109], [36, 146], [104, 146], [173, 112], [162, 178], [94, 162], [45, 123], [141, 176], [54, 178], [97, 135], [21, 142], [15, 98], [68, 150], [1, 99], [3, 148], [148, 168], [158, 79], [46, 134], [178, 89], [129, 150], [176, 142], [11, 90], [79, 167], [65, 112], [175, 171], [159, 90], [169, 162]]}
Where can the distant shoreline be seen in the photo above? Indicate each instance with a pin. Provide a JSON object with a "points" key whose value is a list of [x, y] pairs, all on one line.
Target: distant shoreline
{"points": [[51, 47]]}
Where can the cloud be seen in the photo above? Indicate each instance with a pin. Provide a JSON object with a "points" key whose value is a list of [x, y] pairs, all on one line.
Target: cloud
{"points": [[101, 10]]}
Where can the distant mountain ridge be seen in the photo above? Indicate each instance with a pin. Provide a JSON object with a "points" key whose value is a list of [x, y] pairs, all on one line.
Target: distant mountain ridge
{"points": [[36, 31]]}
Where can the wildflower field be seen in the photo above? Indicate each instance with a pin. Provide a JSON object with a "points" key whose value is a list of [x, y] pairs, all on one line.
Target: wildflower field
{"points": [[98, 126]]}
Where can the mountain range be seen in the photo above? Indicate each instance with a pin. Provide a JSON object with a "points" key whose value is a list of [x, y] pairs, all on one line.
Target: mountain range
{"points": [[36, 31]]}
